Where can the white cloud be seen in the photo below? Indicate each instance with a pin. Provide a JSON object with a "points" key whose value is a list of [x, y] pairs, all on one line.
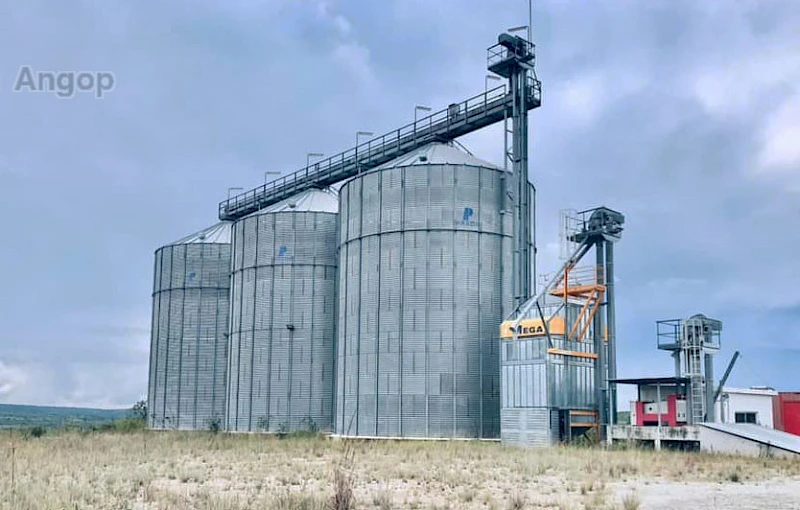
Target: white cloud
{"points": [[581, 98], [355, 59], [11, 379], [733, 87], [781, 150]]}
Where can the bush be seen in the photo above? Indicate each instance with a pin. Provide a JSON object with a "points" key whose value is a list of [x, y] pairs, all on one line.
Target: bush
{"points": [[215, 425], [630, 502], [127, 425], [139, 410], [37, 431], [309, 425]]}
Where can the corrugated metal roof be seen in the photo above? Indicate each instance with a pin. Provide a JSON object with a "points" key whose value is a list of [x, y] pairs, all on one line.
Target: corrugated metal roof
{"points": [[219, 233], [750, 391], [759, 434], [438, 154], [313, 200]]}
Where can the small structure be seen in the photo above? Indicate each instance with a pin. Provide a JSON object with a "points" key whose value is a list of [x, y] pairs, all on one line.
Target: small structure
{"points": [[693, 343], [688, 411], [746, 405], [558, 350], [786, 412]]}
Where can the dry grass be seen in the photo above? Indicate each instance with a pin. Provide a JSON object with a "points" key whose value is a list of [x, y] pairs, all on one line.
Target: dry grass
{"points": [[225, 472]]}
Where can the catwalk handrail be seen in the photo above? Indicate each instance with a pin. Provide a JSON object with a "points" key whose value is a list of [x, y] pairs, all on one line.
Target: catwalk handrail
{"points": [[456, 120], [518, 315]]}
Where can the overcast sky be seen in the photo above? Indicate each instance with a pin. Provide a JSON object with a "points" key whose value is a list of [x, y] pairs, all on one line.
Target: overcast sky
{"points": [[684, 115]]}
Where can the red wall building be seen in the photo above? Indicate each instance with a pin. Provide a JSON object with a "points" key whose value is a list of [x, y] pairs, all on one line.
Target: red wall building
{"points": [[786, 412]]}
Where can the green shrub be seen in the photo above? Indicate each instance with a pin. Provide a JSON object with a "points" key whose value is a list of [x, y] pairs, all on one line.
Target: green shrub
{"points": [[37, 431], [127, 425], [215, 425]]}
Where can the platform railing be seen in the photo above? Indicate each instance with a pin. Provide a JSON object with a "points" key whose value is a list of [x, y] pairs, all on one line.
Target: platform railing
{"points": [[456, 120]]}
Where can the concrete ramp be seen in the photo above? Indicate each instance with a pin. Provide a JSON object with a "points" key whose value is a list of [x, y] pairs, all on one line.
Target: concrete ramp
{"points": [[748, 439]]}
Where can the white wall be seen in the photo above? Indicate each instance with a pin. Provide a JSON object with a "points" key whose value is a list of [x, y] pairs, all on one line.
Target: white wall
{"points": [[721, 442], [746, 400]]}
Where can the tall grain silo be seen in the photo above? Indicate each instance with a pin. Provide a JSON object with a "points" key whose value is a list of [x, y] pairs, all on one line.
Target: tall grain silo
{"points": [[283, 316], [188, 349], [421, 295]]}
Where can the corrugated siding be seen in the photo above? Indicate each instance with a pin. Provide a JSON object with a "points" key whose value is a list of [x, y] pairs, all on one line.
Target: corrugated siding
{"points": [[528, 426], [420, 303], [283, 325], [188, 351], [534, 379]]}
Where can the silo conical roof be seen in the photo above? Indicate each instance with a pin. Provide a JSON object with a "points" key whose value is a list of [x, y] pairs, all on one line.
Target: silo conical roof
{"points": [[219, 233], [437, 153], [313, 200]]}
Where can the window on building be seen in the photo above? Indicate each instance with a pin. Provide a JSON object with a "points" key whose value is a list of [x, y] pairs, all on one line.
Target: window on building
{"points": [[745, 417]]}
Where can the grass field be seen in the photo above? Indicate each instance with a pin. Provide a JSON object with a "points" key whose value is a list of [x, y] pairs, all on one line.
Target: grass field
{"points": [[172, 470]]}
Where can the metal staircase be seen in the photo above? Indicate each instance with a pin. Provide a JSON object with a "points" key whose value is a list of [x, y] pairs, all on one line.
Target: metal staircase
{"points": [[694, 371]]}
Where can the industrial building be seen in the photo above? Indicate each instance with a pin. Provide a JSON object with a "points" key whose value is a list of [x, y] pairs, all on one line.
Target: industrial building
{"points": [[420, 296], [786, 412], [389, 291], [282, 327], [189, 347], [558, 349], [691, 411], [746, 405], [377, 315]]}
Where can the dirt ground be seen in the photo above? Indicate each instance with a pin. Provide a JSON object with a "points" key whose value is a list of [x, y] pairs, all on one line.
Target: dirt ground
{"points": [[166, 470]]}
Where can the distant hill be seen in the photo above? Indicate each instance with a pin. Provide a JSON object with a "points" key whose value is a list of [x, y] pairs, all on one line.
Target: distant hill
{"points": [[20, 416]]}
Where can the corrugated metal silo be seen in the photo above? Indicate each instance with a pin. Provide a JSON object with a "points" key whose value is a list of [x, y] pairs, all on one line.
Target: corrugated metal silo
{"points": [[421, 297], [188, 349], [283, 316]]}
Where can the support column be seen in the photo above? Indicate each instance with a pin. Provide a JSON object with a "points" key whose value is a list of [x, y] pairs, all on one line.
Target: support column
{"points": [[600, 362], [521, 188], [612, 330], [709, 381], [658, 410], [676, 356]]}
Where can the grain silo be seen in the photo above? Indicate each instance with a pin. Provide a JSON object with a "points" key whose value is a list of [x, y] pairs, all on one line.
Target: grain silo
{"points": [[188, 350], [283, 316], [421, 296]]}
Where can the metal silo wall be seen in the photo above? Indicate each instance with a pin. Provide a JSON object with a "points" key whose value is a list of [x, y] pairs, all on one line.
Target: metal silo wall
{"points": [[284, 274], [421, 298], [188, 350]]}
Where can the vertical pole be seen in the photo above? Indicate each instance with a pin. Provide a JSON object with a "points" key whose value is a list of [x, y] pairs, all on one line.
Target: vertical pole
{"points": [[535, 250], [530, 20], [525, 191], [509, 212], [611, 324], [517, 199], [522, 216], [676, 355], [13, 470], [658, 410], [600, 361], [709, 388]]}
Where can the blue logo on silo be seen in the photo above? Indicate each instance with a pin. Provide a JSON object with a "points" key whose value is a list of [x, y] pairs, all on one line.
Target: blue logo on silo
{"points": [[282, 251], [191, 275], [467, 218]]}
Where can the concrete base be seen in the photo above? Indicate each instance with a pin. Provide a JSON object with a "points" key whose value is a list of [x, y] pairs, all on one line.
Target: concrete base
{"points": [[687, 437], [728, 439]]}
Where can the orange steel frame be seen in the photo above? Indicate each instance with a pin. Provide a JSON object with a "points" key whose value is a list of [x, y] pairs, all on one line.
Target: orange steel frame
{"points": [[592, 294]]}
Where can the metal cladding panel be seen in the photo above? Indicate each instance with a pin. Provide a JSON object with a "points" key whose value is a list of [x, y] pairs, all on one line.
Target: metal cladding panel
{"points": [[283, 329], [528, 426], [188, 349], [420, 302], [534, 379]]}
